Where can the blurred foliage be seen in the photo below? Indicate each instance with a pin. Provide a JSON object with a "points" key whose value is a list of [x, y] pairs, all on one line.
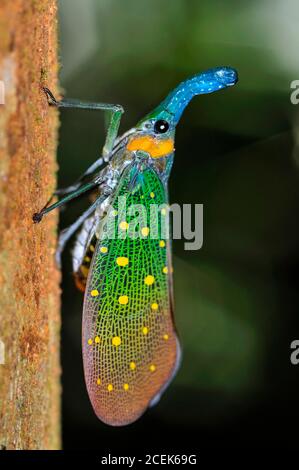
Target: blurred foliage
{"points": [[236, 299]]}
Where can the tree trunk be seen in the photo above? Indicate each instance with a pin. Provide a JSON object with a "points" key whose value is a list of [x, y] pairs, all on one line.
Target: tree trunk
{"points": [[29, 281]]}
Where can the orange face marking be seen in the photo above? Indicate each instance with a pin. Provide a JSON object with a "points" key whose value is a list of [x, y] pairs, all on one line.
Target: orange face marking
{"points": [[155, 147]]}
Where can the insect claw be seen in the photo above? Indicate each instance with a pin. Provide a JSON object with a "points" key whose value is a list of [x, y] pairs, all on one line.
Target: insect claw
{"points": [[51, 98], [37, 217]]}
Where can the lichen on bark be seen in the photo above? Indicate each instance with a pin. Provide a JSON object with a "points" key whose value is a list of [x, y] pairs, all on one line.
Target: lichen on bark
{"points": [[29, 280]]}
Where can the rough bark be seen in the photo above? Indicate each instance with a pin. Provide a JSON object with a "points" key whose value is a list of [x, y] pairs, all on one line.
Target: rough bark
{"points": [[29, 292]]}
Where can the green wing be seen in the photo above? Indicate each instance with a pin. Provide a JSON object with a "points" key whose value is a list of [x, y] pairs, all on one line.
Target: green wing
{"points": [[130, 348]]}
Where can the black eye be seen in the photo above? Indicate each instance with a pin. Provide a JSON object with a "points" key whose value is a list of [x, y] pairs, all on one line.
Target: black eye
{"points": [[161, 126]]}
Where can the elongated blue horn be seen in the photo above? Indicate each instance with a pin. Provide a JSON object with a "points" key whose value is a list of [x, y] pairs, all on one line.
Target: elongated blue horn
{"points": [[206, 82]]}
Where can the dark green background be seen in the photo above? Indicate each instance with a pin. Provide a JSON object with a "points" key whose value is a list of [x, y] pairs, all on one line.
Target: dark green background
{"points": [[237, 298]]}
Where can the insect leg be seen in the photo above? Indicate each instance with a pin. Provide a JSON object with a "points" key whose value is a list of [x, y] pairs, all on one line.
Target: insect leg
{"points": [[112, 131], [73, 187], [37, 217], [115, 111], [67, 233]]}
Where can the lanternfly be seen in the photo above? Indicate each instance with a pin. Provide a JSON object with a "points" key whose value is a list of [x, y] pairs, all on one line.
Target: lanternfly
{"points": [[130, 346]]}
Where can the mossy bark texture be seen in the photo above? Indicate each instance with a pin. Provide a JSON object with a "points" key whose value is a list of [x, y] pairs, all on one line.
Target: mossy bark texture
{"points": [[29, 280]]}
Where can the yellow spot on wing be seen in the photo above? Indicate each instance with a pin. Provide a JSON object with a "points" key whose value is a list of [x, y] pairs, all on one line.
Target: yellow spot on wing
{"points": [[94, 293], [165, 270], [110, 388], [126, 387], [103, 249], [89, 341], [145, 330], [123, 299], [122, 261], [132, 365], [152, 195], [145, 231], [165, 337], [123, 225], [116, 341], [99, 381], [152, 368], [161, 243], [155, 306], [149, 280], [97, 339]]}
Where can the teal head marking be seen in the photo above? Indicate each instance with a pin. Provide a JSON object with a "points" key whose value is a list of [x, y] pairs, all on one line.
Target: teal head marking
{"points": [[212, 80], [155, 132]]}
